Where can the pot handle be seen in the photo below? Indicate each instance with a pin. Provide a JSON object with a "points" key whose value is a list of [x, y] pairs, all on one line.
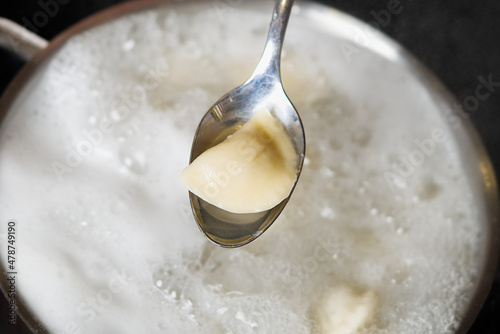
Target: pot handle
{"points": [[20, 40]]}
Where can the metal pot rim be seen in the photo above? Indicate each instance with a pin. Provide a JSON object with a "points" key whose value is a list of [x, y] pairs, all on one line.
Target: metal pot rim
{"points": [[491, 249]]}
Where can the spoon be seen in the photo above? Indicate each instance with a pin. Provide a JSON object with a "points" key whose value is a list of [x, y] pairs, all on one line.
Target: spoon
{"points": [[262, 90]]}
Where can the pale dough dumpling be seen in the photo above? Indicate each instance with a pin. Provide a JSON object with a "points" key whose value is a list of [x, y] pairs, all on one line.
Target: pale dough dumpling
{"points": [[345, 310], [253, 170]]}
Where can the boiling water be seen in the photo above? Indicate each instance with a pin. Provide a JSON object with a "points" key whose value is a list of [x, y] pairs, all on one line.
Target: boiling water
{"points": [[89, 161]]}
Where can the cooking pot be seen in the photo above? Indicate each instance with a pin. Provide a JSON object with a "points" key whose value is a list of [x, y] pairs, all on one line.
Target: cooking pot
{"points": [[476, 163]]}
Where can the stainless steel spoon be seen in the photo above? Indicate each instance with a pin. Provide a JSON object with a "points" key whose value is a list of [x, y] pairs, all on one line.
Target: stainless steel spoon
{"points": [[262, 90]]}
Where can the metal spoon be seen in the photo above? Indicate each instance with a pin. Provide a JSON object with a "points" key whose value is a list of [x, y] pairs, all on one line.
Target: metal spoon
{"points": [[262, 90]]}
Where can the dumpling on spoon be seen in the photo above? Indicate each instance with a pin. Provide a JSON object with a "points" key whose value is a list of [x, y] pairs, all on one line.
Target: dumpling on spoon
{"points": [[252, 170]]}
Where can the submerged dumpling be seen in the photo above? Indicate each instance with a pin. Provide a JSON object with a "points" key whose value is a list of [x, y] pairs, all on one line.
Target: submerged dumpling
{"points": [[345, 310]]}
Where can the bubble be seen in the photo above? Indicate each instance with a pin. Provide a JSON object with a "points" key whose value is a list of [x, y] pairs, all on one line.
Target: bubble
{"points": [[116, 115], [328, 213], [335, 144], [134, 159], [428, 190], [327, 172], [128, 45], [400, 230], [163, 277], [399, 276], [361, 136], [222, 310], [243, 318], [313, 156]]}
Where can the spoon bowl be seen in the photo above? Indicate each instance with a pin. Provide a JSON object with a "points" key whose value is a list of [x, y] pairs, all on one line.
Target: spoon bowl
{"points": [[262, 90]]}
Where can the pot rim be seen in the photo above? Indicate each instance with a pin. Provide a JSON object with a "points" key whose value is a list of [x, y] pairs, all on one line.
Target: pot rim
{"points": [[490, 251]]}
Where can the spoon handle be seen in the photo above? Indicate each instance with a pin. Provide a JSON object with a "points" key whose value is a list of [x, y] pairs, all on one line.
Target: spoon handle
{"points": [[269, 63]]}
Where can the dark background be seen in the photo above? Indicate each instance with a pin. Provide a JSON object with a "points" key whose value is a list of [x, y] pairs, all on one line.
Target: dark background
{"points": [[458, 40]]}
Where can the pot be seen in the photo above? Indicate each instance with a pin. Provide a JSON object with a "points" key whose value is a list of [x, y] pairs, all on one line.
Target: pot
{"points": [[338, 27]]}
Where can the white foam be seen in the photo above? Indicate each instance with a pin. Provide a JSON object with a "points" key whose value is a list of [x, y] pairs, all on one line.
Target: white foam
{"points": [[109, 244]]}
